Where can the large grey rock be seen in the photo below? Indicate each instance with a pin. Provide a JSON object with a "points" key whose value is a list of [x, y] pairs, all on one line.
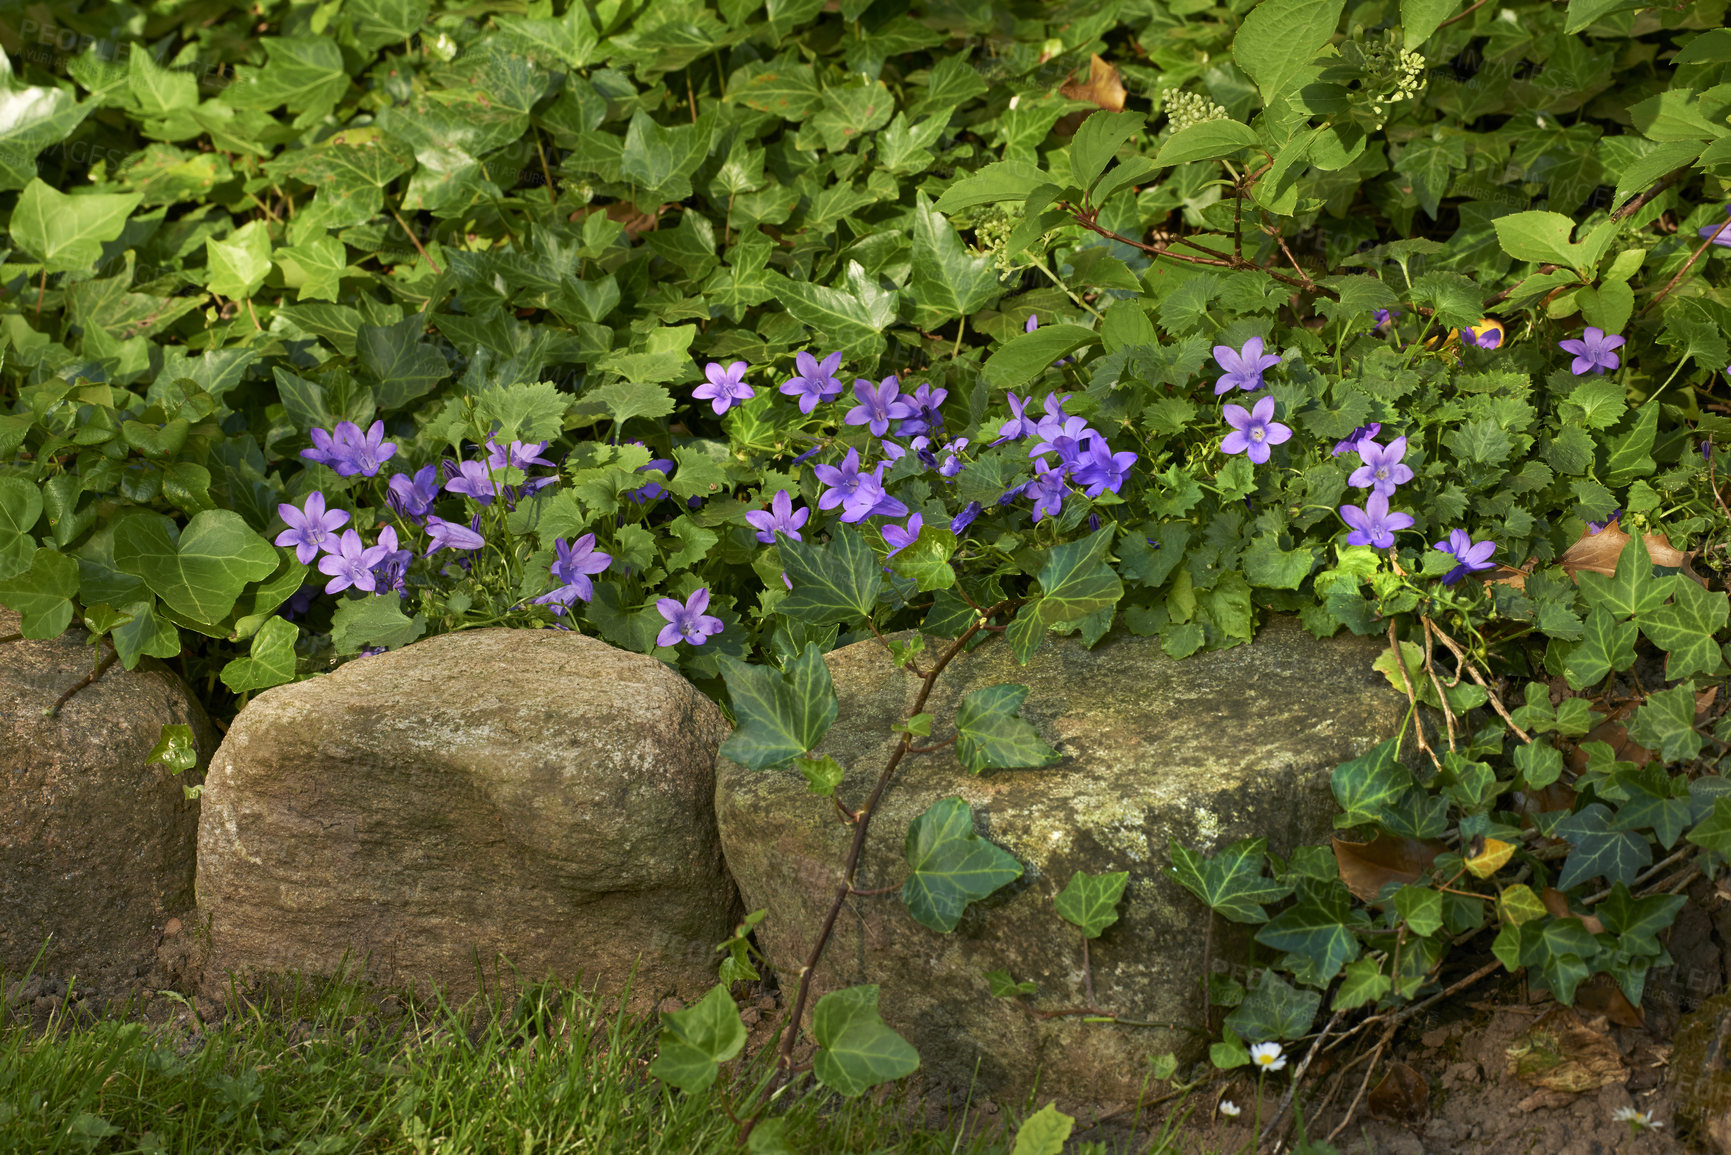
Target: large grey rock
{"points": [[97, 846], [1206, 751], [535, 794]]}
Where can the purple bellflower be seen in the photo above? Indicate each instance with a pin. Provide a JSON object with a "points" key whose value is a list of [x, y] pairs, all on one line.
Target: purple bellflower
{"points": [[898, 538], [349, 451], [1032, 323], [453, 535], [813, 380], [1047, 489], [517, 455], [309, 528], [724, 387], [390, 570], [651, 491], [1384, 318], [965, 518], [473, 479], [860, 495], [953, 464], [925, 418], [1593, 351], [781, 517], [1244, 367], [1719, 234], [1351, 440], [351, 563], [1373, 524], [1599, 527], [878, 405], [1381, 469], [1055, 417], [1253, 430], [1019, 425], [1469, 555], [1066, 440], [575, 562], [413, 497], [688, 622], [1102, 469]]}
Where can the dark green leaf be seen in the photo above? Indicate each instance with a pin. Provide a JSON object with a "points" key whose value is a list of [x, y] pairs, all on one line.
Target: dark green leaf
{"points": [[781, 714], [952, 866], [1231, 882], [837, 581], [1090, 901], [991, 736]]}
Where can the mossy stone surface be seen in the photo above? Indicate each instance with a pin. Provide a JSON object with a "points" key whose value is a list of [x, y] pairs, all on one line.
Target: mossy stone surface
{"points": [[1208, 750]]}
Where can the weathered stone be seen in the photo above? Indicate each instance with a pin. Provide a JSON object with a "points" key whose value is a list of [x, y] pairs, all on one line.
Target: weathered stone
{"points": [[534, 794], [97, 846], [1700, 1070], [1208, 750]]}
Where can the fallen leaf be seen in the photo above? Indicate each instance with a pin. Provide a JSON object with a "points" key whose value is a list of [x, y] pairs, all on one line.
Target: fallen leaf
{"points": [[1403, 1096], [1505, 575], [1558, 904], [634, 219], [1561, 1053], [1613, 733], [1600, 995], [1556, 796], [1104, 86], [1598, 552], [1366, 867]]}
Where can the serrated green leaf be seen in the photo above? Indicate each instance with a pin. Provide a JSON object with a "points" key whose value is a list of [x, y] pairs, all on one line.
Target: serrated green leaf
{"points": [[990, 735], [695, 1041], [781, 713], [1686, 630], [1090, 901], [856, 1050], [1099, 138], [379, 620], [952, 866], [1230, 883], [403, 367]]}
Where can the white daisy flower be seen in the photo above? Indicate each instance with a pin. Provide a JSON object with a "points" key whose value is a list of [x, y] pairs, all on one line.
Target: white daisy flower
{"points": [[1267, 1056], [1230, 1109]]}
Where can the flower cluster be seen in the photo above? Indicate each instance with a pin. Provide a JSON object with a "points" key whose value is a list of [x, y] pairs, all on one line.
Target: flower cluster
{"points": [[1186, 109], [1254, 431]]}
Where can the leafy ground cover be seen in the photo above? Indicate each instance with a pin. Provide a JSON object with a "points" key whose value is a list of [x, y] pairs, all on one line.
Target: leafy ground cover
{"points": [[731, 333]]}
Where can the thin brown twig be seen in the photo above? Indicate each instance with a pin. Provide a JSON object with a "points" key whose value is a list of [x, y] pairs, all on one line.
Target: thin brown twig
{"points": [[1298, 1077], [1412, 698], [1462, 15], [1216, 262], [1363, 1086], [1473, 672], [101, 668], [1687, 265], [1430, 668], [1640, 202], [1309, 285], [416, 241]]}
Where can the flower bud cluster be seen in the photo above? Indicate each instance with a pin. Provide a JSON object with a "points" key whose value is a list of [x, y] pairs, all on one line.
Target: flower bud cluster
{"points": [[1407, 81], [1186, 109]]}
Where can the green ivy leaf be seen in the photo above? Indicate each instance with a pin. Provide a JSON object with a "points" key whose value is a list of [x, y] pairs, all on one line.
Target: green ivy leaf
{"points": [[1278, 40], [1360, 983], [200, 570], [837, 581], [1004, 987], [1076, 582], [1685, 629], [1273, 1009], [66, 232], [1315, 932], [1600, 848], [1421, 908], [991, 736], [405, 368], [1714, 832], [238, 264], [926, 560], [952, 866], [822, 774], [271, 661], [1607, 645], [695, 1041], [1230, 883], [1666, 722], [1369, 783], [43, 593], [174, 749], [1631, 455], [782, 713], [20, 506], [947, 281], [857, 1051], [1090, 901]]}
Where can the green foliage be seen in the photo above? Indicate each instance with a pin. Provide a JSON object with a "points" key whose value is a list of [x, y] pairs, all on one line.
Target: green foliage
{"points": [[696, 1041], [1090, 901], [952, 866], [856, 1051], [990, 735]]}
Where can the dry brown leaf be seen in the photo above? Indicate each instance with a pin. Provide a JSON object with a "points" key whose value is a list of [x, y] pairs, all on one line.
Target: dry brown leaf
{"points": [[1600, 995], [1104, 86], [1506, 575], [634, 219], [1598, 552], [1403, 1096], [1556, 796], [1558, 904], [1613, 733], [1366, 867], [1561, 1053]]}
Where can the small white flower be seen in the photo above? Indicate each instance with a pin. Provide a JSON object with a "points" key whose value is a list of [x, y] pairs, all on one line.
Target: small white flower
{"points": [[1637, 1120], [1230, 1109], [1267, 1056], [1015, 100]]}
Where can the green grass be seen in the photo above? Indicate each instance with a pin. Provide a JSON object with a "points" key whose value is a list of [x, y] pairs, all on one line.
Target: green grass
{"points": [[322, 1067]]}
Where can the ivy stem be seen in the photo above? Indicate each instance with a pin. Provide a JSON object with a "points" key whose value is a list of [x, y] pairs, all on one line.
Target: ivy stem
{"points": [[862, 824], [101, 668], [1684, 271]]}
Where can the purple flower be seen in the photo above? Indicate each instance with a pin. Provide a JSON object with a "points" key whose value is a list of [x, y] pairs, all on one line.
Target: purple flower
{"points": [[473, 479], [576, 561], [1065, 440], [688, 622], [1382, 469], [1047, 489], [351, 563], [1487, 334], [1385, 317], [1598, 527], [350, 451], [1592, 351], [1470, 554], [413, 497], [848, 488], [1374, 524], [1253, 430], [925, 417], [309, 529], [452, 534], [1720, 234], [878, 405], [1350, 442], [965, 518], [1033, 323], [1244, 367], [898, 538], [324, 450], [725, 387], [1055, 416], [780, 517], [517, 455], [1019, 425], [651, 491], [953, 464], [1102, 469], [813, 380], [393, 566]]}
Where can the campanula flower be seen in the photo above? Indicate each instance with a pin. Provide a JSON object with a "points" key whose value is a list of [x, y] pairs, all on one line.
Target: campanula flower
{"points": [[925, 417], [1373, 524], [878, 405], [780, 517], [651, 491], [965, 518], [688, 622], [349, 451], [813, 380], [1599, 527], [1065, 440], [1720, 234], [351, 563], [309, 528], [1253, 430], [1381, 469], [453, 535], [898, 538], [1055, 417], [1032, 323], [517, 455], [1019, 425], [324, 450], [1487, 334], [1470, 555], [1351, 440], [473, 479], [1244, 367], [1593, 351], [390, 570], [1047, 489], [1384, 318], [725, 387], [953, 464], [413, 497], [860, 495], [1102, 469], [577, 561]]}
